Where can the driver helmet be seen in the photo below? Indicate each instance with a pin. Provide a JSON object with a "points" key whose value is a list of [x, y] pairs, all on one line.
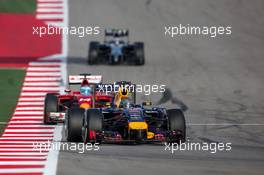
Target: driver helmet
{"points": [[124, 103], [86, 90]]}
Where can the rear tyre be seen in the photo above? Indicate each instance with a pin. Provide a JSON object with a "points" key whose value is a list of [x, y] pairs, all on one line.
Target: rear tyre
{"points": [[73, 122], [93, 52], [92, 126], [176, 123], [140, 53], [51, 105]]}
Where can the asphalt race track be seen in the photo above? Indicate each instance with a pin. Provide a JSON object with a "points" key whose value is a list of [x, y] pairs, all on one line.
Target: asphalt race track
{"points": [[220, 81]]}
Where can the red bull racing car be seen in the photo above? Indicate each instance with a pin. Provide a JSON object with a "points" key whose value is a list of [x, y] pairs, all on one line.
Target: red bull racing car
{"points": [[124, 121]]}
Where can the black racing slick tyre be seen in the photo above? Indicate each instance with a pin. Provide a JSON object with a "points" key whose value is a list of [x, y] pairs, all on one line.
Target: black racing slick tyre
{"points": [[93, 52], [92, 126], [73, 124], [50, 105], [176, 123], [139, 53]]}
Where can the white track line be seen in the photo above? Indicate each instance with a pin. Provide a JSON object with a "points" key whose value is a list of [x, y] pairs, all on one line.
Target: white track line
{"points": [[33, 94], [18, 146], [47, 135], [39, 1], [29, 130], [42, 79], [30, 116], [22, 157], [23, 116], [44, 64], [30, 103], [25, 154], [31, 99], [49, 10], [41, 84], [19, 122], [52, 74], [43, 69], [53, 23], [21, 142], [35, 149], [25, 138], [22, 163], [29, 108], [49, 16], [22, 170], [41, 88], [39, 5], [52, 161], [28, 112], [33, 126]]}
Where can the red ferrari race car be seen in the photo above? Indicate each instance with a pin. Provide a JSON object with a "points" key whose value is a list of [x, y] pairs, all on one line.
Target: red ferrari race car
{"points": [[56, 104]]}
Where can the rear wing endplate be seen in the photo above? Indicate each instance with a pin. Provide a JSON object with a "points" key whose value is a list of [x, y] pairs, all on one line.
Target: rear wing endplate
{"points": [[92, 79]]}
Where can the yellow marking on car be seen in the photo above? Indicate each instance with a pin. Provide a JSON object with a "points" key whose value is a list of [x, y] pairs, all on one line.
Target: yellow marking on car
{"points": [[85, 105], [150, 135], [137, 125]]}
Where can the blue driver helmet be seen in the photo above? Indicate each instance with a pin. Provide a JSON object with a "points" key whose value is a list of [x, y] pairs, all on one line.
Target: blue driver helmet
{"points": [[86, 90]]}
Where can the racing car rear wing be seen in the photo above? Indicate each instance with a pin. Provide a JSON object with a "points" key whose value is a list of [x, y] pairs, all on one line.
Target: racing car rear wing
{"points": [[92, 79], [116, 32]]}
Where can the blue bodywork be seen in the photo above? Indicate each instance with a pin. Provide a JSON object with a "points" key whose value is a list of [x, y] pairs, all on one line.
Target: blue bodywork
{"points": [[116, 47], [116, 120]]}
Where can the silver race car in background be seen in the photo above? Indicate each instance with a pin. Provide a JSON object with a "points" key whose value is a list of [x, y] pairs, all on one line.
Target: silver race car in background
{"points": [[116, 49]]}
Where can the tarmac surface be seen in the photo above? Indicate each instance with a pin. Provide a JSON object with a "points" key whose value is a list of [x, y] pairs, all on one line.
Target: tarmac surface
{"points": [[219, 81]]}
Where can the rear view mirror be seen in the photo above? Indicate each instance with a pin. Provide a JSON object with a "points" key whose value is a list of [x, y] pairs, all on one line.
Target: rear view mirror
{"points": [[147, 103]]}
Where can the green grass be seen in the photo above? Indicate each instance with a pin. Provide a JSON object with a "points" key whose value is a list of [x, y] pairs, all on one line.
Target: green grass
{"points": [[10, 84], [17, 6]]}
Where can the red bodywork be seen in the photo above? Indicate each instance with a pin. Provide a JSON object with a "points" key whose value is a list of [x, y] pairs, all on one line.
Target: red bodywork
{"points": [[101, 99]]}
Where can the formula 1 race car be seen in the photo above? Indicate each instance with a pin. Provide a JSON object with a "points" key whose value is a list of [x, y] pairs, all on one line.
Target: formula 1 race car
{"points": [[125, 121], [57, 104], [116, 49]]}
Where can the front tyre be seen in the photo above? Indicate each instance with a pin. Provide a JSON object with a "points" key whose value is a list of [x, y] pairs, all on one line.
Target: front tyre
{"points": [[93, 52], [92, 126], [139, 53], [50, 105], [176, 125], [73, 124]]}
